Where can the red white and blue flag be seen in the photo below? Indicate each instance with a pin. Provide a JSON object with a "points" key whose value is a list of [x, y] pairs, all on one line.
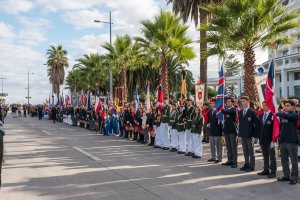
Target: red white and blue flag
{"points": [[271, 99], [220, 95]]}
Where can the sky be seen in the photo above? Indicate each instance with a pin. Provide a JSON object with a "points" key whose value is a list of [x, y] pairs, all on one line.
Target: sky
{"points": [[29, 27]]}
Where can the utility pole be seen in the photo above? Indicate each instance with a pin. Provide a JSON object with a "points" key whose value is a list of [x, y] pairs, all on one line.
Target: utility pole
{"points": [[2, 78], [110, 72]]}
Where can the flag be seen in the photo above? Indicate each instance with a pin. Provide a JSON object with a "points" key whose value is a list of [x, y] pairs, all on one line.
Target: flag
{"points": [[137, 100], [97, 103], [83, 98], [183, 95], [220, 95], [271, 99], [160, 94], [88, 103], [68, 100], [148, 96]]}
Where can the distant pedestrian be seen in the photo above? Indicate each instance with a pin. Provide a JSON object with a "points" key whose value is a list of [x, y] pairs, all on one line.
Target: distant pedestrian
{"points": [[2, 133]]}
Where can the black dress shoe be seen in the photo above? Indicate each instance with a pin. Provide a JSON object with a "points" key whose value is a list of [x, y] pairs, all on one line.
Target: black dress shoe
{"points": [[234, 165], [180, 152], [173, 150], [272, 175], [283, 178], [194, 156], [218, 161], [211, 160], [263, 173], [293, 182], [227, 164], [249, 169], [156, 147], [244, 168], [189, 154], [165, 148]]}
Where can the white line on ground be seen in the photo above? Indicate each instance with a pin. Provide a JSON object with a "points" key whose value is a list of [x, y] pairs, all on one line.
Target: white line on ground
{"points": [[31, 124], [46, 132], [91, 156]]}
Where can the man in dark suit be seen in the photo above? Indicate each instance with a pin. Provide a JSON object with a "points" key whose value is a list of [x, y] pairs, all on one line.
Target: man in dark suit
{"points": [[265, 140], [248, 130], [230, 133], [215, 135], [289, 142], [2, 133]]}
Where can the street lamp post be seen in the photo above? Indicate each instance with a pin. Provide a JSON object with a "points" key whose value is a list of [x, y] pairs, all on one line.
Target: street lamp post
{"points": [[28, 97], [2, 78], [110, 72]]}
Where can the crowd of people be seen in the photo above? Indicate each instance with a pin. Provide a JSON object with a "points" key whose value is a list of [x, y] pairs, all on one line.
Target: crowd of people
{"points": [[184, 127]]}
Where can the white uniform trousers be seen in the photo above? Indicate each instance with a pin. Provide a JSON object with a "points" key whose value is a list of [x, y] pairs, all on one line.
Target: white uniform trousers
{"points": [[182, 141], [165, 135], [189, 141], [174, 138], [198, 148], [158, 141]]}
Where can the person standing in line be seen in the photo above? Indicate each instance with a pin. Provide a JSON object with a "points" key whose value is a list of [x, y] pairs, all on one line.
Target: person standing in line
{"points": [[248, 130], [189, 114], [205, 113], [196, 131], [215, 135], [265, 140], [289, 142], [172, 125], [2, 133], [230, 133]]}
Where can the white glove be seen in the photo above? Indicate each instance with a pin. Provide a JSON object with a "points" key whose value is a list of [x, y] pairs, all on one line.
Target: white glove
{"points": [[208, 125], [273, 145]]}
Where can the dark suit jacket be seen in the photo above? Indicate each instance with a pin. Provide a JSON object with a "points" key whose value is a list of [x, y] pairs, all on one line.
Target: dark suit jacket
{"points": [[230, 122], [215, 129], [265, 129], [288, 132], [249, 124]]}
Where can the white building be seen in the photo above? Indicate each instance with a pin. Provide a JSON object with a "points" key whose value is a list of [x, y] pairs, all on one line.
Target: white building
{"points": [[287, 65], [287, 62]]}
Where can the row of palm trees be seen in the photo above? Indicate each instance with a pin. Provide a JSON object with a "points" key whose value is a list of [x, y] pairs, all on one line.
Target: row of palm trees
{"points": [[164, 49]]}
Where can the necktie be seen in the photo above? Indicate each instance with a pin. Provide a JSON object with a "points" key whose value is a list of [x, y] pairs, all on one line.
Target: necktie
{"points": [[265, 117], [245, 111]]}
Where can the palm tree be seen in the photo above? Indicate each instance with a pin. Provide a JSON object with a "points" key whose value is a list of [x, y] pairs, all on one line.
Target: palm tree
{"points": [[192, 9], [57, 61], [243, 25], [165, 37], [123, 55], [95, 71]]}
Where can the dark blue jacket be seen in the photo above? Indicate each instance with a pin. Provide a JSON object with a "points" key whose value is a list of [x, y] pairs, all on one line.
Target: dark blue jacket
{"points": [[288, 131], [249, 124], [230, 122]]}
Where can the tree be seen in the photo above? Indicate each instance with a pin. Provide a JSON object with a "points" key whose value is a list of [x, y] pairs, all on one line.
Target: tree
{"points": [[243, 25], [95, 71], [232, 66], [123, 55], [57, 61], [165, 37], [192, 9]]}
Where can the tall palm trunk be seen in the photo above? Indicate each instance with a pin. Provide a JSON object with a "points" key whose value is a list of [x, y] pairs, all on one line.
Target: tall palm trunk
{"points": [[203, 50], [124, 82], [165, 78], [249, 69]]}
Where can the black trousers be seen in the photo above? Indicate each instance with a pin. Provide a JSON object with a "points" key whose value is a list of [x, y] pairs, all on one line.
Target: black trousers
{"points": [[269, 158], [289, 150], [248, 150]]}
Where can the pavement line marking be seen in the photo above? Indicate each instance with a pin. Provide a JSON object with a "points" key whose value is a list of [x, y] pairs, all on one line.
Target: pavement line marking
{"points": [[31, 124], [91, 156], [46, 132]]}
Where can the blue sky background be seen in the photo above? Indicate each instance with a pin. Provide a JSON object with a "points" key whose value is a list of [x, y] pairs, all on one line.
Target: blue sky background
{"points": [[29, 27]]}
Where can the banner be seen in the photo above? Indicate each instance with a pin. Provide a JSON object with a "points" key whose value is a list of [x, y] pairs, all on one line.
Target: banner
{"points": [[199, 94], [260, 83], [74, 99]]}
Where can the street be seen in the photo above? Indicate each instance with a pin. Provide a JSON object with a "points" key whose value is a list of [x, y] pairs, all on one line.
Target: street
{"points": [[46, 161]]}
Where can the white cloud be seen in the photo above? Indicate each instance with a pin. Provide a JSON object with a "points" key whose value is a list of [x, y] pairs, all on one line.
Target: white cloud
{"points": [[33, 30], [56, 5], [15, 7], [84, 18], [6, 31]]}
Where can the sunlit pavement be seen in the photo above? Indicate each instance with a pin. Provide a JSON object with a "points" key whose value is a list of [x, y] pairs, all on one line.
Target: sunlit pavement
{"points": [[55, 161]]}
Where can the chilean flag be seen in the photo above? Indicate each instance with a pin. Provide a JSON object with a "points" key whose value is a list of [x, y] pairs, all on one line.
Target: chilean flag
{"points": [[271, 99], [68, 100], [97, 105], [220, 95]]}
